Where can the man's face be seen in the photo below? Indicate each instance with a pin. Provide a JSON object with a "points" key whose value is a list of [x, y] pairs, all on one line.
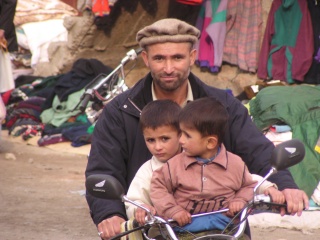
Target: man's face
{"points": [[169, 64]]}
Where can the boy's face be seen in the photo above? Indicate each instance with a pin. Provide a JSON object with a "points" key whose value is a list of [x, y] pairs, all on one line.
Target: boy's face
{"points": [[162, 142], [193, 144]]}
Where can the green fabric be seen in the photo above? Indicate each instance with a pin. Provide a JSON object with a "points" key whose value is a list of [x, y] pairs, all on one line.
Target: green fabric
{"points": [[217, 16], [289, 66], [60, 112], [298, 107], [90, 129], [287, 26]]}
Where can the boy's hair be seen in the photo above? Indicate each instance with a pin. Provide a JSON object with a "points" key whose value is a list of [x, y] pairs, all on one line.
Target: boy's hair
{"points": [[160, 113], [206, 115]]}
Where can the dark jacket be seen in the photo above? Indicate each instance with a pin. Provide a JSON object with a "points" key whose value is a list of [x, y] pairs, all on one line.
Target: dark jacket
{"points": [[7, 12], [118, 147]]}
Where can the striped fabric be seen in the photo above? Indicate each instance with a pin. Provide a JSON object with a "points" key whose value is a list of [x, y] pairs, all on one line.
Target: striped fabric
{"points": [[244, 21]]}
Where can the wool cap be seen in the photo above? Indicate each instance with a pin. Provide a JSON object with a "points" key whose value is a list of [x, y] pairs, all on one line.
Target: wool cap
{"points": [[167, 30]]}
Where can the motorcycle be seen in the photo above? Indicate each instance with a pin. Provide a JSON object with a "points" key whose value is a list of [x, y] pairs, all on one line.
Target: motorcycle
{"points": [[284, 156], [103, 88]]}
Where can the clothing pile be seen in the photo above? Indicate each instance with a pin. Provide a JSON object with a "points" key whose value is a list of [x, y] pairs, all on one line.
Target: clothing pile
{"points": [[48, 106], [295, 108]]}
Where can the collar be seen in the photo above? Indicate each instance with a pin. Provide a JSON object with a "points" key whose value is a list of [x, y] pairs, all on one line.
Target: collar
{"points": [[155, 163], [221, 159], [188, 99], [206, 161]]}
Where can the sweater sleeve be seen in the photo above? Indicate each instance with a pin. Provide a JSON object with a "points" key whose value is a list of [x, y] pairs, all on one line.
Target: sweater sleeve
{"points": [[139, 190], [266, 184], [245, 193], [161, 193]]}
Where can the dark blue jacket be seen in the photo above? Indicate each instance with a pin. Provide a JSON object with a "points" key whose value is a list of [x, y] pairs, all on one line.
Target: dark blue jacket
{"points": [[118, 147]]}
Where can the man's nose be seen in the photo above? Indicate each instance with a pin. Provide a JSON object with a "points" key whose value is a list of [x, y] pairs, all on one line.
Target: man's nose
{"points": [[168, 66]]}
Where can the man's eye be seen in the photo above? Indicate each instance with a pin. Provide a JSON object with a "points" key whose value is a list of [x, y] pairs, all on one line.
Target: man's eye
{"points": [[178, 57], [150, 140], [158, 58]]}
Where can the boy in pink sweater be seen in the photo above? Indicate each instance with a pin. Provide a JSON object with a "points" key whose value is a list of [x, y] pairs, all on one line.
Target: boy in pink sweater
{"points": [[204, 177]]}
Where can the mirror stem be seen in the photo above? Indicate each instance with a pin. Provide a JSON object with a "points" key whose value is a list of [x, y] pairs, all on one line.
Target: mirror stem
{"points": [[272, 171]]}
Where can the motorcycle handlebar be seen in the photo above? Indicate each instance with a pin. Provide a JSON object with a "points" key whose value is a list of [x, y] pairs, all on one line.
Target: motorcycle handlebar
{"points": [[84, 102], [97, 82]]}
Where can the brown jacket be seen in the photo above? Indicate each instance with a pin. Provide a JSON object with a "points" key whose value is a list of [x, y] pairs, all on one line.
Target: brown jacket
{"points": [[185, 183]]}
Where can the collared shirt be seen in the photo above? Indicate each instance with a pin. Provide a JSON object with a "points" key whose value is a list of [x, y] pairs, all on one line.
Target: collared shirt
{"points": [[188, 98], [185, 183]]}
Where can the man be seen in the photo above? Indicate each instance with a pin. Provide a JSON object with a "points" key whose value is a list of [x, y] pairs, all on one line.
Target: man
{"points": [[118, 147], [7, 28]]}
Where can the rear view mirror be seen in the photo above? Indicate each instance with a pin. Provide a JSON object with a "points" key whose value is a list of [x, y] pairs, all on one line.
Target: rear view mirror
{"points": [[287, 154], [104, 186]]}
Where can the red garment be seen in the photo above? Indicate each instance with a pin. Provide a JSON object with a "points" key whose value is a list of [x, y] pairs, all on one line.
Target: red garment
{"points": [[100, 7], [185, 183], [280, 59], [6, 96], [190, 2]]}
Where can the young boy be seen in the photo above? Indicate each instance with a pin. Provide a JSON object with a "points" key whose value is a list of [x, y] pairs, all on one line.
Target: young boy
{"points": [[160, 127], [204, 177]]}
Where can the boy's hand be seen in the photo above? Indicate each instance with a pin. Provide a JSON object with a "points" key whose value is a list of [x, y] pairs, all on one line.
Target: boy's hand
{"points": [[275, 194], [182, 218], [234, 207], [141, 214]]}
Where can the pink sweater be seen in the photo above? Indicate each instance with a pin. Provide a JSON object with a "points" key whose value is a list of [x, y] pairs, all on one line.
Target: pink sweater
{"points": [[185, 183]]}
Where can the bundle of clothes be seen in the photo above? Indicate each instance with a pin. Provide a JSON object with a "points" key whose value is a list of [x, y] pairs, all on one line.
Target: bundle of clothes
{"points": [[49, 106]]}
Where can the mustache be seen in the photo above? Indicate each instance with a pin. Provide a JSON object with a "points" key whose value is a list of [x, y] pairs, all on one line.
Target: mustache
{"points": [[168, 75]]}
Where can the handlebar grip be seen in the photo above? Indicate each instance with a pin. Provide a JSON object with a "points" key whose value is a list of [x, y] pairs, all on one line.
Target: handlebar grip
{"points": [[138, 50], [84, 102]]}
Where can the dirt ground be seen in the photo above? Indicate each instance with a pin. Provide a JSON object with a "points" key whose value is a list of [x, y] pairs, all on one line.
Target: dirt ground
{"points": [[41, 196]]}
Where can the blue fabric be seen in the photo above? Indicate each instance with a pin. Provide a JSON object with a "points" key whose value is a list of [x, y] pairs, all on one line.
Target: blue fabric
{"points": [[205, 223]]}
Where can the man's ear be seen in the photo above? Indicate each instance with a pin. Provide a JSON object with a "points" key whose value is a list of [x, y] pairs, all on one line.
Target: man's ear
{"points": [[212, 142], [144, 56], [193, 55]]}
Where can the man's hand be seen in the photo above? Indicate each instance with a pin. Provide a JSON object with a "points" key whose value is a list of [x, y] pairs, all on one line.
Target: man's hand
{"points": [[296, 200], [3, 41], [182, 218], [140, 214], [1, 34], [110, 227]]}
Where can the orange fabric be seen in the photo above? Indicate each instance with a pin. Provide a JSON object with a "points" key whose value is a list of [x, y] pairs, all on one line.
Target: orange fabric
{"points": [[100, 7]]}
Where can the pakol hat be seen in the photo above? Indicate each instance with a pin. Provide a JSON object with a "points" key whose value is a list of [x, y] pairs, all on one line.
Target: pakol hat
{"points": [[167, 30]]}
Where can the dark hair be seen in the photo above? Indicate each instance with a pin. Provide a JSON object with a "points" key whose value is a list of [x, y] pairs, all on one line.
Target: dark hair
{"points": [[160, 113], [206, 115]]}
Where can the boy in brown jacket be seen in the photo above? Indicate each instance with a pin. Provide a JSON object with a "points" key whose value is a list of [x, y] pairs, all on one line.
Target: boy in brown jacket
{"points": [[204, 177]]}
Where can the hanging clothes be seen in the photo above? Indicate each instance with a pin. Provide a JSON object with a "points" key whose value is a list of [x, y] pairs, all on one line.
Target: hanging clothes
{"points": [[242, 42], [190, 2], [212, 24], [313, 75], [100, 7], [287, 47]]}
